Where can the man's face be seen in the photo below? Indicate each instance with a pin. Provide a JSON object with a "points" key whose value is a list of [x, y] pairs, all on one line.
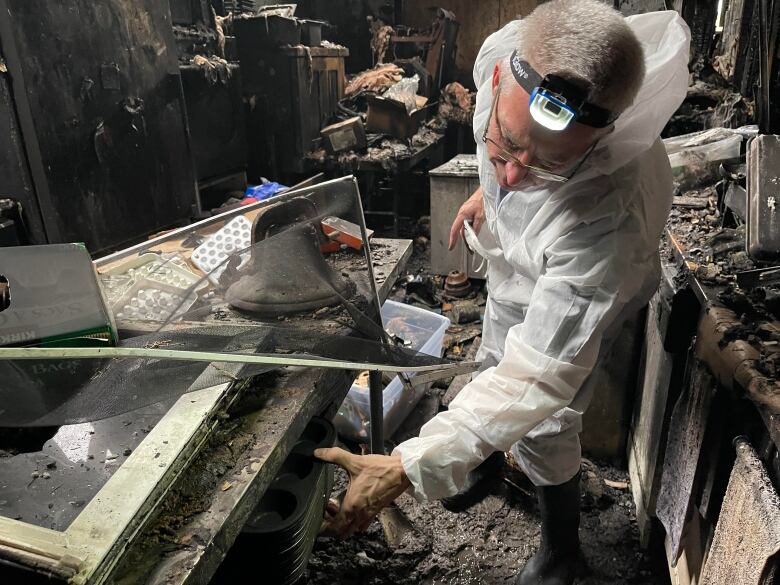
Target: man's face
{"points": [[511, 130]]}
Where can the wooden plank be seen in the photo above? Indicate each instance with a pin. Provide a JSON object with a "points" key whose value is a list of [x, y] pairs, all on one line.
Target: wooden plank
{"points": [[732, 49], [690, 202], [684, 466], [387, 270], [686, 571], [651, 415]]}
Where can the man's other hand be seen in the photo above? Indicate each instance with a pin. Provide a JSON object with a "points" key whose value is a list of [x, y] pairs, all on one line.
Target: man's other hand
{"points": [[472, 210], [374, 482]]}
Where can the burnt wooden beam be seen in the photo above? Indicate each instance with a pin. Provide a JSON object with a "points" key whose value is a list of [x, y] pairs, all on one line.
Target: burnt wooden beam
{"points": [[730, 57], [700, 16]]}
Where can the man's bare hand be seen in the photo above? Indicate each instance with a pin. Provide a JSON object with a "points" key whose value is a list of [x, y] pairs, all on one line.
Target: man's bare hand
{"points": [[473, 210], [374, 482]]}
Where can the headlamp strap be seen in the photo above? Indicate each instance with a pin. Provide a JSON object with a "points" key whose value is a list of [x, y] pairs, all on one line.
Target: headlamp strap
{"points": [[587, 113], [525, 75]]}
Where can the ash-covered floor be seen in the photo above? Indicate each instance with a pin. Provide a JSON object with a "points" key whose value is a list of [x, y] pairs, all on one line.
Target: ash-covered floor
{"points": [[491, 541]]}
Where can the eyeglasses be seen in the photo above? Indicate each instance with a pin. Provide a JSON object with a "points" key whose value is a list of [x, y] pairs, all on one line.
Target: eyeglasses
{"points": [[507, 157]]}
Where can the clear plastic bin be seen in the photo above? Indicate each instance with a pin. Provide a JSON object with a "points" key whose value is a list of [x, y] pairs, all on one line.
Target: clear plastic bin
{"points": [[695, 158], [425, 330]]}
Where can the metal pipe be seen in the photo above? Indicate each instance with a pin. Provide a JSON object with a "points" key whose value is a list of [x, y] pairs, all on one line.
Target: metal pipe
{"points": [[375, 389]]}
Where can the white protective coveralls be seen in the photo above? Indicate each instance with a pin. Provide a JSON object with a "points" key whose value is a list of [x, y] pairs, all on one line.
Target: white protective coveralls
{"points": [[567, 264]]}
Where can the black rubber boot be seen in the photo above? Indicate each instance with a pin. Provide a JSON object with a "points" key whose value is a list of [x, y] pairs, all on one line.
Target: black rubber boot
{"points": [[555, 562], [477, 484]]}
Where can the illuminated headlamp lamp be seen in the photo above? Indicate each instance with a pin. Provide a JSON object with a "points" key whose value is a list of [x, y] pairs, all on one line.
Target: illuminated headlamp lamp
{"points": [[556, 103]]}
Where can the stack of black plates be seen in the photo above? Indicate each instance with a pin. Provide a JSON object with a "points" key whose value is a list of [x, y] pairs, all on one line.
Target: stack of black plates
{"points": [[280, 533]]}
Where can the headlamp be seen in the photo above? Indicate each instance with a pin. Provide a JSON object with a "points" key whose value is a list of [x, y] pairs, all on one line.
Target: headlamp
{"points": [[556, 103]]}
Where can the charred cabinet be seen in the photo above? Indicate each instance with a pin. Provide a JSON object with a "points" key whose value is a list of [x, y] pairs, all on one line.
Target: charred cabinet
{"points": [[98, 98], [292, 93], [215, 112]]}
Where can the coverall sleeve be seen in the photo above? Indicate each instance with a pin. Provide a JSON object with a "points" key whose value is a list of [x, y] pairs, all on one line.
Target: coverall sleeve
{"points": [[546, 360]]}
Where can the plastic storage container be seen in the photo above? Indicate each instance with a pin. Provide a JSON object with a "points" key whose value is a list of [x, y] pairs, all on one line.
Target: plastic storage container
{"points": [[425, 330], [695, 158]]}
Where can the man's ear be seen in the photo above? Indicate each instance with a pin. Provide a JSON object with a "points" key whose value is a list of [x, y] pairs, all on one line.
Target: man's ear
{"points": [[496, 75]]}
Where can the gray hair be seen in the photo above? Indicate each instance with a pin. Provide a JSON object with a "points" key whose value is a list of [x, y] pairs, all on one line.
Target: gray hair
{"points": [[588, 43]]}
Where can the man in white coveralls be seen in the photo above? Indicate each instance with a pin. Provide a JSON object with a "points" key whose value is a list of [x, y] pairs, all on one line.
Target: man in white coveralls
{"points": [[575, 190]]}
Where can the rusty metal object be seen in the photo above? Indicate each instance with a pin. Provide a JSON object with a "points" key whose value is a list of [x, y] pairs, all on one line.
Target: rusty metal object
{"points": [[465, 312], [747, 535], [734, 363], [457, 284]]}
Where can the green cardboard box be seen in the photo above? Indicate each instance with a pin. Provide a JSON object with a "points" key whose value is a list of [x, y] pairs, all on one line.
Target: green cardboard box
{"points": [[52, 297]]}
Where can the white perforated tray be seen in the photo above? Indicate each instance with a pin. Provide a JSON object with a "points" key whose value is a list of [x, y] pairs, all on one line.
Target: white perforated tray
{"points": [[155, 267], [149, 300], [234, 236]]}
